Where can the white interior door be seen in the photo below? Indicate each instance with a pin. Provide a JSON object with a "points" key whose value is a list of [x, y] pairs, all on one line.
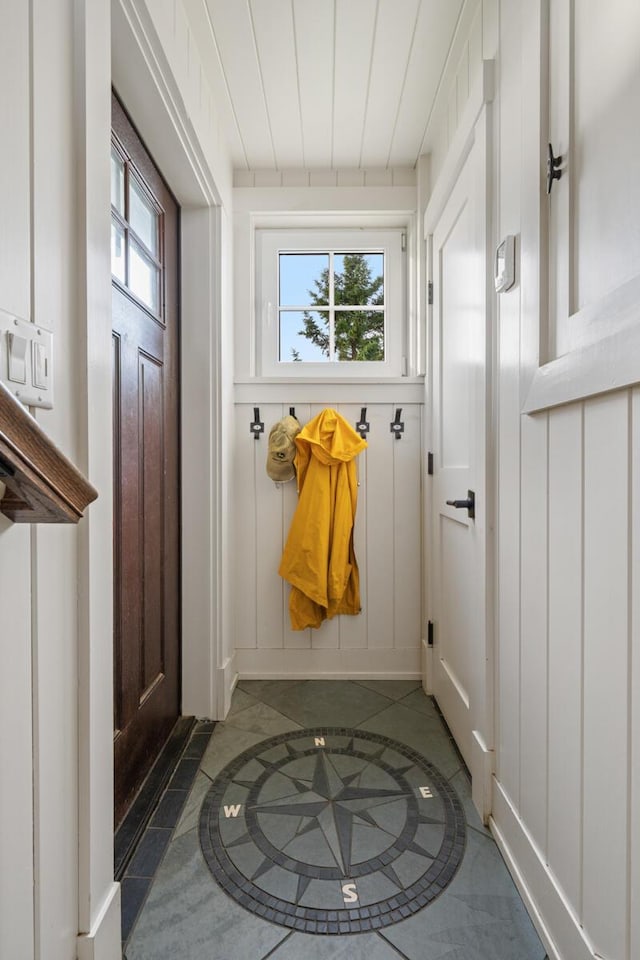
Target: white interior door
{"points": [[460, 607]]}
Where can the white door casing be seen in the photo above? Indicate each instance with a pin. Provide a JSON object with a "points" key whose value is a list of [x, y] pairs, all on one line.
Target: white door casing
{"points": [[459, 565]]}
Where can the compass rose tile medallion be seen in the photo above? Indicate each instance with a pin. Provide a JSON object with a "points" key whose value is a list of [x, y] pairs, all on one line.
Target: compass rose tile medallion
{"points": [[332, 831]]}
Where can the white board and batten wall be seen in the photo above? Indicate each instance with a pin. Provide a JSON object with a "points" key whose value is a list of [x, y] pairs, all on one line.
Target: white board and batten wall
{"points": [[566, 789], [566, 784], [58, 898], [384, 640]]}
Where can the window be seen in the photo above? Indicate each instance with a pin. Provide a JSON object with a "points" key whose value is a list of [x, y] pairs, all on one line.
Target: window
{"points": [[331, 302], [135, 235]]}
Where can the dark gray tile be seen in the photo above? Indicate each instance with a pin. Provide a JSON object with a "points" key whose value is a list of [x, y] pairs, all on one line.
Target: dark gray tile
{"points": [[268, 690], [149, 852], [240, 700], [226, 743], [278, 883], [424, 734], [133, 890], [418, 700], [169, 809], [188, 917], [190, 815], [365, 946], [196, 746], [462, 785], [323, 896], [205, 726], [393, 689], [480, 914], [184, 774], [261, 718], [317, 703]]}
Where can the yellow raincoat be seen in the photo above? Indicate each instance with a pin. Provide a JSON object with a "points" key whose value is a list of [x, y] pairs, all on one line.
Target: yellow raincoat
{"points": [[318, 560]]}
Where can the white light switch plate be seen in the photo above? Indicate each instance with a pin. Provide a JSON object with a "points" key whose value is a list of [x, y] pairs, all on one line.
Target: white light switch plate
{"points": [[31, 362]]}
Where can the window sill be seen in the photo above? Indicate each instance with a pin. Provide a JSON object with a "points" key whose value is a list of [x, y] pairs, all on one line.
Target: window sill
{"points": [[335, 381], [329, 391]]}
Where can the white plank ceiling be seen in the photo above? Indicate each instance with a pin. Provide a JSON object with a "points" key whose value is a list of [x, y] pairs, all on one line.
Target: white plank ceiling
{"points": [[324, 83]]}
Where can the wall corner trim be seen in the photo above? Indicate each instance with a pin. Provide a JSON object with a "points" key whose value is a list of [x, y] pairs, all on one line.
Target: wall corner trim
{"points": [[103, 941], [481, 95]]}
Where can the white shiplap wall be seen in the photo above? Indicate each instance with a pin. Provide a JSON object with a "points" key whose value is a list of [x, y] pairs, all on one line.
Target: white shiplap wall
{"points": [[384, 640], [566, 789], [566, 804], [566, 799]]}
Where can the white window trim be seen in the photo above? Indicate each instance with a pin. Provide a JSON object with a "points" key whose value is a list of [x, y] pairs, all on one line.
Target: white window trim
{"points": [[270, 242]]}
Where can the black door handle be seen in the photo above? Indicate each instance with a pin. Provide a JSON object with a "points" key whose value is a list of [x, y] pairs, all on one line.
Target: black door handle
{"points": [[469, 504]]}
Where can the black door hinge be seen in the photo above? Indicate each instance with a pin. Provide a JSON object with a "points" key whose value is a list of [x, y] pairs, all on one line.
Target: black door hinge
{"points": [[430, 633], [430, 293], [430, 464]]}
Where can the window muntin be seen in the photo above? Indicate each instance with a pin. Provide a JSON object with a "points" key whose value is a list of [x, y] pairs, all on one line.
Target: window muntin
{"points": [[136, 235], [353, 281], [117, 251], [330, 302], [117, 181]]}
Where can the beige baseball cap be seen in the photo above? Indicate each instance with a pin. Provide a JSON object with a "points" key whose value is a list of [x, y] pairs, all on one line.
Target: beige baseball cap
{"points": [[282, 449]]}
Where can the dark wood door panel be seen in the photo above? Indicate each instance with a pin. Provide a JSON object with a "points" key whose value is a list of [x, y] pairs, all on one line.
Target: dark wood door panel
{"points": [[146, 481]]}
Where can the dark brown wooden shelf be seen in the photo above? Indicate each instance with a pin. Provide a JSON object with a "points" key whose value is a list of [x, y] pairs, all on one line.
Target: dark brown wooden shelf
{"points": [[43, 486]]}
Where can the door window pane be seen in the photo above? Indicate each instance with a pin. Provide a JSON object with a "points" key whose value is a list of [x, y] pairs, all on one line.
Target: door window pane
{"points": [[117, 251], [117, 182], [304, 336], [359, 335], [304, 279], [143, 217], [144, 277]]}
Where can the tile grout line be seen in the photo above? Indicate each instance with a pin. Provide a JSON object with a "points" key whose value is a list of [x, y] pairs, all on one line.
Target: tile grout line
{"points": [[486, 836], [393, 946], [278, 945], [125, 943]]}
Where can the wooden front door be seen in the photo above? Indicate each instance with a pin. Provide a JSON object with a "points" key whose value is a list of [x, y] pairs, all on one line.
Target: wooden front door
{"points": [[144, 257]]}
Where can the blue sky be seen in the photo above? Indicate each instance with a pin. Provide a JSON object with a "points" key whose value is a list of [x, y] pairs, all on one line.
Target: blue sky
{"points": [[297, 274]]}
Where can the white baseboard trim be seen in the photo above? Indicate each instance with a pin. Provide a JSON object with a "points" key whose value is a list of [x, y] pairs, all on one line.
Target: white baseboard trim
{"points": [[328, 664], [558, 927], [426, 666], [227, 679], [482, 766], [103, 942]]}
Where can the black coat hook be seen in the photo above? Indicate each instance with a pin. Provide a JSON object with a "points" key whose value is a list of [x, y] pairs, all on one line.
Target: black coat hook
{"points": [[362, 426], [397, 426], [292, 412], [257, 427], [553, 173]]}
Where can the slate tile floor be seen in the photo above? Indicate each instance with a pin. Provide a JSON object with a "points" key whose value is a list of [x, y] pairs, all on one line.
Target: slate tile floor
{"points": [[186, 915]]}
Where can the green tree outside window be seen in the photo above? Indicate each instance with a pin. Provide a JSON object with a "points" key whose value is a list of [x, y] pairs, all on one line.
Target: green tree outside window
{"points": [[358, 332]]}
